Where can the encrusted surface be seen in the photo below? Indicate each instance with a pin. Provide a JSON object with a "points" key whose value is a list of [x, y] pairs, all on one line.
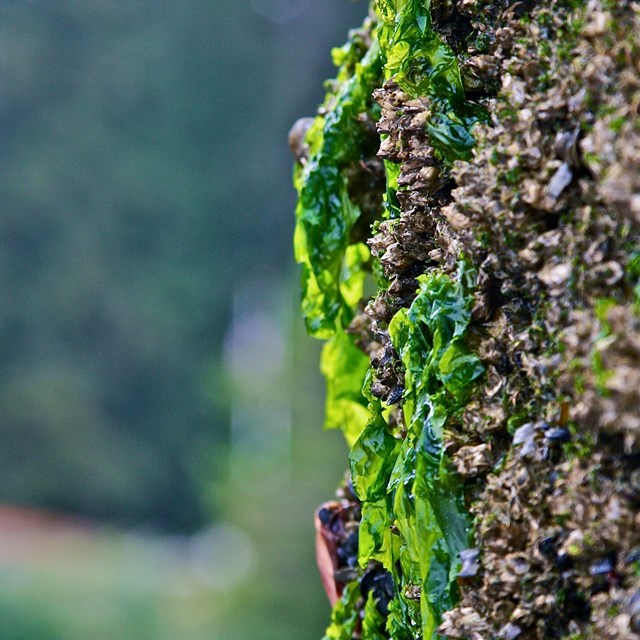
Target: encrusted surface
{"points": [[547, 210]]}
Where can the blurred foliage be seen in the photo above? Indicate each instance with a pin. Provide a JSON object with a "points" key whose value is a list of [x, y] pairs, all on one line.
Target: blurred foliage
{"points": [[144, 181], [111, 586], [260, 581], [144, 175]]}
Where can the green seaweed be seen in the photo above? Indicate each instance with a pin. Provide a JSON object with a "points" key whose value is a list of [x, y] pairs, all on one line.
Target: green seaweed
{"points": [[373, 624], [345, 615], [325, 214], [345, 367], [408, 483], [392, 207], [372, 457]]}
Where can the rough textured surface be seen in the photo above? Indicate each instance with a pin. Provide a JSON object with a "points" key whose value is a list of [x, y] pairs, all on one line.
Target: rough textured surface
{"points": [[548, 212]]}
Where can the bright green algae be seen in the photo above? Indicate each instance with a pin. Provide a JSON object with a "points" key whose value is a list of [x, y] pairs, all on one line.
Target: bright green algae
{"points": [[325, 215], [413, 517], [344, 367], [333, 270], [407, 482]]}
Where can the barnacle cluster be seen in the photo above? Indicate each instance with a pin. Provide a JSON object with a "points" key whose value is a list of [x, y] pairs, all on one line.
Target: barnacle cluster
{"points": [[490, 386]]}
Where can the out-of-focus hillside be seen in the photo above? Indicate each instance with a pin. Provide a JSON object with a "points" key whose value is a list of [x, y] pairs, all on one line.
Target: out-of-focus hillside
{"points": [[143, 177], [144, 255]]}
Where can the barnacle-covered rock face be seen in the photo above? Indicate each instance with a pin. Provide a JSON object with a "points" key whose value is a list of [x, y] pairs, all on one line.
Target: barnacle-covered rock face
{"points": [[557, 524], [503, 336]]}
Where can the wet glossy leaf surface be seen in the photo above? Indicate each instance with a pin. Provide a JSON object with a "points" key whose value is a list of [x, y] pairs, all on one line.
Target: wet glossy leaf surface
{"points": [[325, 214]]}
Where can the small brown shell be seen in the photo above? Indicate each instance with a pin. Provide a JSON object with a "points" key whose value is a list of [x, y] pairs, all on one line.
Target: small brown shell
{"points": [[334, 522], [297, 134]]}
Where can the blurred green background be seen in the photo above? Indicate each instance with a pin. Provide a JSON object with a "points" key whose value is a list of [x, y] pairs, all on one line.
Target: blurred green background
{"points": [[156, 388]]}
